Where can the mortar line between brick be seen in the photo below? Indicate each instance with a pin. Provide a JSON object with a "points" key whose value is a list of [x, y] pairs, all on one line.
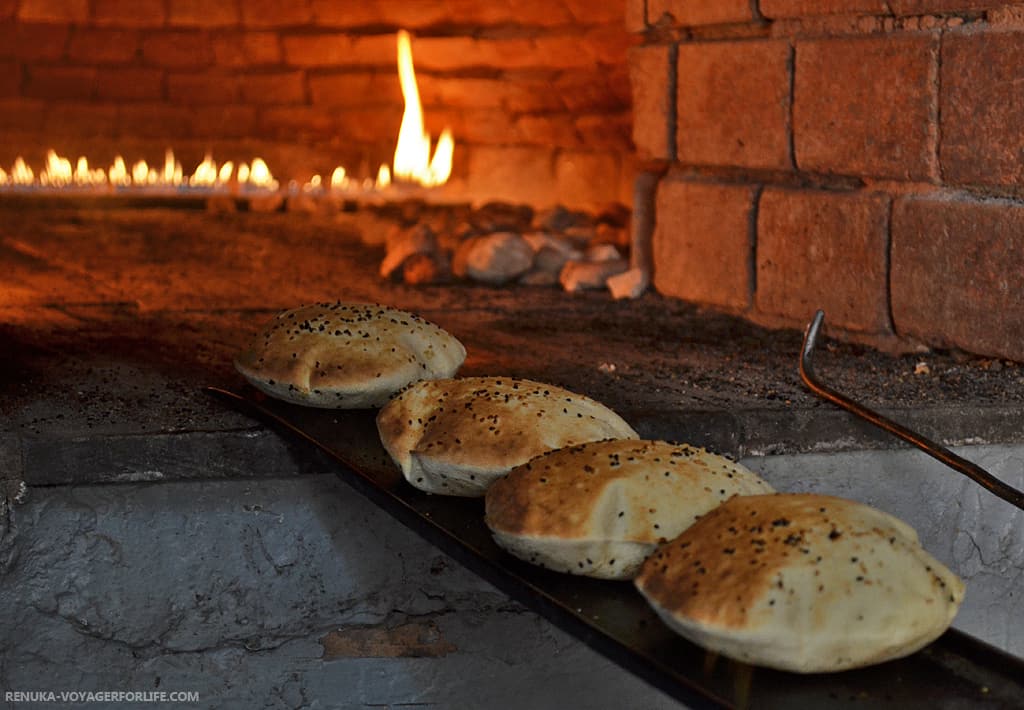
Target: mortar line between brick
{"points": [[937, 108], [755, 210], [755, 11], [673, 106], [790, 131], [888, 266]]}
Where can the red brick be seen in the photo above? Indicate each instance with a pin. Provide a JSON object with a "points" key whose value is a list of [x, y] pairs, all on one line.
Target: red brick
{"points": [[606, 130], [355, 89], [274, 88], [636, 15], [54, 11], [20, 114], [8, 9], [982, 91], [156, 120], [773, 9], [370, 125], [733, 104], [203, 13], [102, 46], [515, 174], [221, 122], [415, 15], [593, 13], [818, 249], [587, 178], [446, 53], [587, 91], [331, 13], [291, 122], [956, 267], [920, 7], [865, 106], [653, 102], [130, 83], [702, 243], [203, 88], [129, 13], [45, 82], [544, 14], [514, 96], [241, 49], [608, 44], [10, 78], [480, 126], [558, 130], [273, 13], [698, 12], [79, 119], [339, 50], [179, 49], [31, 41]]}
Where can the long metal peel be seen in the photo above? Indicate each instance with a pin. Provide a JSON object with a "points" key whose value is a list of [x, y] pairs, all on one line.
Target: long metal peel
{"points": [[937, 451]]}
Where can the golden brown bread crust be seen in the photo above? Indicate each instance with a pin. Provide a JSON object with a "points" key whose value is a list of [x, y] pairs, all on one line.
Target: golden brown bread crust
{"points": [[801, 582], [600, 508], [654, 484], [347, 355], [455, 436]]}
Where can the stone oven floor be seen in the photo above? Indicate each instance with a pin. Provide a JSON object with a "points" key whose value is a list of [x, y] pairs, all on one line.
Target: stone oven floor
{"points": [[112, 320]]}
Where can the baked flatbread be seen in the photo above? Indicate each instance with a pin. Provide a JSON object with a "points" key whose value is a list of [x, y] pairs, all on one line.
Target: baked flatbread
{"points": [[347, 355], [803, 583], [456, 437], [601, 508]]}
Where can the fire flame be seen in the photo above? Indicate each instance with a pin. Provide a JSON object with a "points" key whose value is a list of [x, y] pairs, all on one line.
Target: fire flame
{"points": [[412, 153], [413, 162]]}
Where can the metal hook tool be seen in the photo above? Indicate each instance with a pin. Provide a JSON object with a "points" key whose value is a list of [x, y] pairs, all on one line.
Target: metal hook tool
{"points": [[971, 470]]}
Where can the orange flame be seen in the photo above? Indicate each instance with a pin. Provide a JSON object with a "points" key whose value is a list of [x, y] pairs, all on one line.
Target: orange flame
{"points": [[413, 160], [412, 153]]}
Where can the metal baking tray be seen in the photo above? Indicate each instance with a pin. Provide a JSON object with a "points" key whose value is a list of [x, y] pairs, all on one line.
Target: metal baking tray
{"points": [[612, 618]]}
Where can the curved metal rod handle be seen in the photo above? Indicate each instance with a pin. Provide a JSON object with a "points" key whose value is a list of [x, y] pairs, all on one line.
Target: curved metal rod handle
{"points": [[937, 451]]}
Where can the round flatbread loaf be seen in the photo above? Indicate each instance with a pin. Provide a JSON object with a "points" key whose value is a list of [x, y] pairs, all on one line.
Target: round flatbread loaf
{"points": [[347, 355], [601, 508], [456, 437], [801, 582]]}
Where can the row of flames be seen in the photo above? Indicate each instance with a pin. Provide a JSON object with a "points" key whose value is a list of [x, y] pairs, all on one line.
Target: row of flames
{"points": [[413, 162]]}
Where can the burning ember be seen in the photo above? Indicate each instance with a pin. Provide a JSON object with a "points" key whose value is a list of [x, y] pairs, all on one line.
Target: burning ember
{"points": [[413, 163]]}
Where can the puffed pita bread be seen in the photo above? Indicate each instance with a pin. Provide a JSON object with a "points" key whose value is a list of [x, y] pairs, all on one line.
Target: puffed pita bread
{"points": [[803, 583], [347, 355], [601, 508], [457, 436]]}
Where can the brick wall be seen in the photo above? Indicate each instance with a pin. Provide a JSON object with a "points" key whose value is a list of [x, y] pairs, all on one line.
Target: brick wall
{"points": [[861, 156], [534, 90]]}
